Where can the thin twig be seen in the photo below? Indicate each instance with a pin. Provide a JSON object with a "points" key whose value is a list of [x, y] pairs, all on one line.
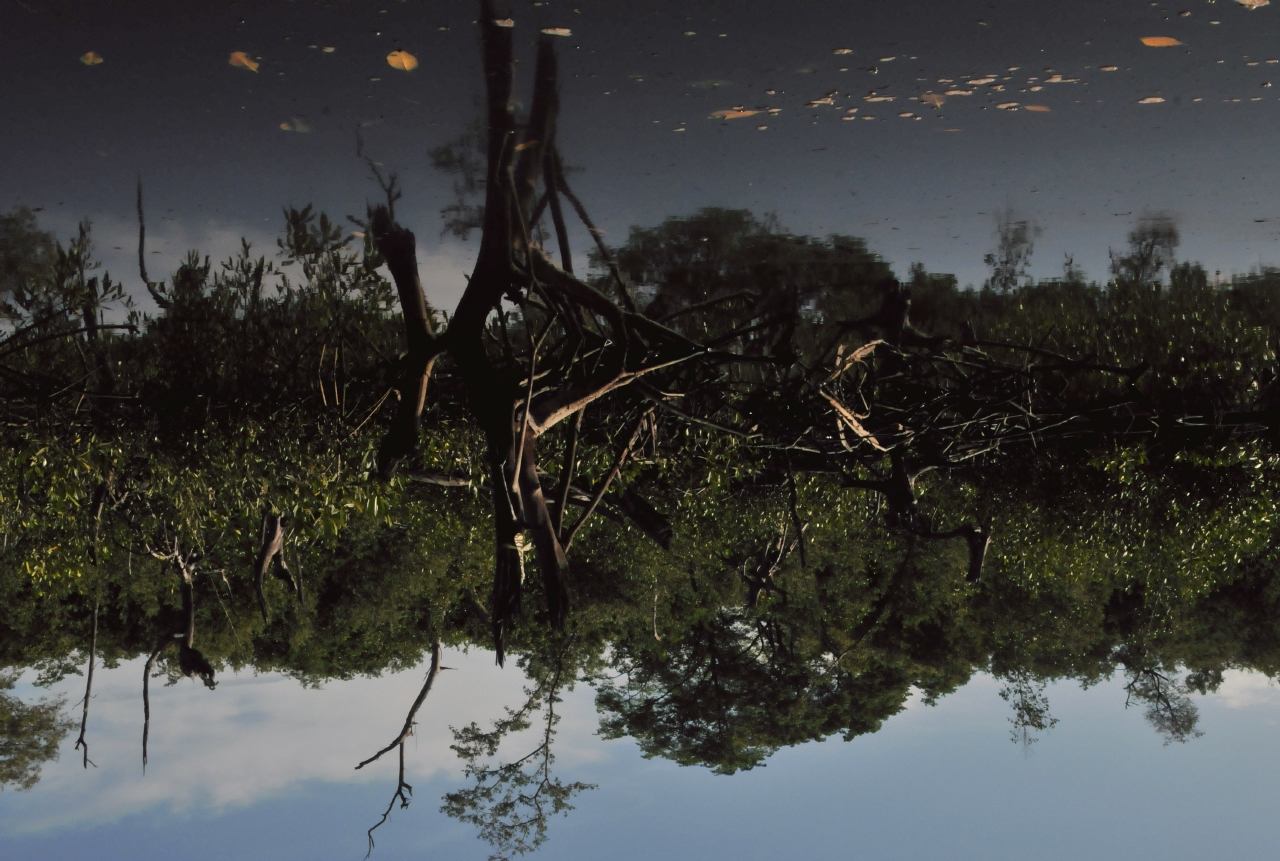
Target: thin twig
{"points": [[88, 691], [608, 479], [413, 712]]}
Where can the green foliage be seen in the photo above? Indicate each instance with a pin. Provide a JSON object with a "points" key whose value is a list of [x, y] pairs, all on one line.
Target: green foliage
{"points": [[29, 736]]}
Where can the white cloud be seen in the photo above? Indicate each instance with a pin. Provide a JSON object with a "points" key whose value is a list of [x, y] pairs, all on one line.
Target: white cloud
{"points": [[260, 736], [1242, 689]]}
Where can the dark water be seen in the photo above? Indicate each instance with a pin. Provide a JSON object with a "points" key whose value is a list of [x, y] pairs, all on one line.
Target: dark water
{"points": [[730, 429]]}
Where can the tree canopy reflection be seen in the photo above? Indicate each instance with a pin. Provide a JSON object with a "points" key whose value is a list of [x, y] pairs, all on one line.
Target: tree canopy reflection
{"points": [[769, 489]]}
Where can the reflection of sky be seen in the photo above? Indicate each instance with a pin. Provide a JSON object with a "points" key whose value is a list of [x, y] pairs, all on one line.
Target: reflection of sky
{"points": [[206, 135], [261, 768]]}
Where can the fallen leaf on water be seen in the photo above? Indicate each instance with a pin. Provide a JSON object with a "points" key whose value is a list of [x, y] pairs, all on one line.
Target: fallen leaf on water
{"points": [[906, 114], [933, 99], [557, 31], [1108, 68], [1040, 109], [732, 115], [1150, 100], [328, 49], [843, 51], [286, 127], [1160, 41], [761, 128], [974, 82], [241, 59], [91, 59], [813, 103], [887, 59], [504, 22], [958, 93], [877, 98], [1253, 4], [521, 147], [402, 60], [1007, 106], [359, 233]]}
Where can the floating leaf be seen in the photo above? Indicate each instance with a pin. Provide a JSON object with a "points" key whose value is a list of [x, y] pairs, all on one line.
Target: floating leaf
{"points": [[958, 93], [91, 59], [826, 100], [732, 114], [328, 49], [521, 147], [402, 60], [286, 127], [843, 51], [504, 22], [1108, 68], [975, 82], [1150, 100], [557, 31], [241, 59], [1040, 109], [1007, 106], [1254, 4], [1160, 41], [933, 99], [874, 98]]}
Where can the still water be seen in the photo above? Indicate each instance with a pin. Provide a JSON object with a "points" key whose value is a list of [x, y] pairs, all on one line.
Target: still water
{"points": [[731, 429]]}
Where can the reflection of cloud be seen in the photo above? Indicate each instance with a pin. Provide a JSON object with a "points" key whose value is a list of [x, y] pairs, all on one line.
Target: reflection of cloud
{"points": [[1241, 689], [261, 736]]}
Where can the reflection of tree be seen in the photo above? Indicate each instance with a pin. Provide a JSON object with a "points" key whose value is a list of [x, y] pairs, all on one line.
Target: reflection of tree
{"points": [[29, 735], [1030, 707], [1170, 710], [510, 802], [403, 789], [1015, 241]]}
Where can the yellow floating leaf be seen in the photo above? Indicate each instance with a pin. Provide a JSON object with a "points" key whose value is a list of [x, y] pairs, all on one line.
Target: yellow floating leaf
{"points": [[557, 31], [1254, 4], [1040, 109], [1108, 68], [732, 114], [504, 22], [241, 59], [91, 59], [286, 127], [521, 147], [402, 60], [1007, 106], [1152, 100], [1160, 41]]}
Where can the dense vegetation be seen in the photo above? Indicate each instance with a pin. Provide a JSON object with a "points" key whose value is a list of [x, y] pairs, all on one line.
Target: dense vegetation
{"points": [[818, 487]]}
